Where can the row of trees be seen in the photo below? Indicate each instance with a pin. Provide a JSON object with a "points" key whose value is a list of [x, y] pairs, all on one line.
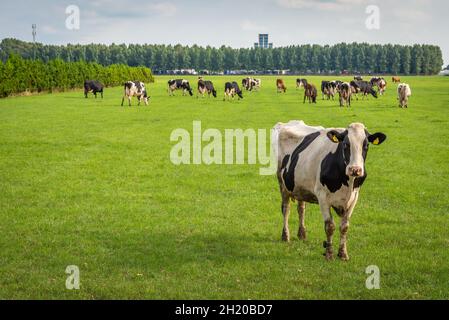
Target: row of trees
{"points": [[19, 75], [353, 58]]}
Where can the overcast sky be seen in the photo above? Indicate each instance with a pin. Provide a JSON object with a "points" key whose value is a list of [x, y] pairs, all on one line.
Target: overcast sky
{"points": [[231, 22]]}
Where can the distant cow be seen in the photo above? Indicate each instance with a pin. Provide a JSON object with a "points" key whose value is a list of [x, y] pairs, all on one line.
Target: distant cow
{"points": [[206, 87], [363, 87], [94, 87], [179, 84], [345, 94], [396, 79], [310, 93], [280, 85], [404, 92], [325, 167], [328, 89], [232, 89], [301, 83], [251, 84], [135, 88], [358, 78], [380, 83]]}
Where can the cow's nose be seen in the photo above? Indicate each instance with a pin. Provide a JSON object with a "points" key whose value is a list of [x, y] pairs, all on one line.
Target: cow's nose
{"points": [[356, 171]]}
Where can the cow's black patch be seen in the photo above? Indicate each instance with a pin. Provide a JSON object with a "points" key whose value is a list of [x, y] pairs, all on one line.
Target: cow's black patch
{"points": [[333, 167], [333, 170], [289, 175]]}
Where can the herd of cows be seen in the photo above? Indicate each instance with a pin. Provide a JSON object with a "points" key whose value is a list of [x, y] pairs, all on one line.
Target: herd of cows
{"points": [[324, 166], [329, 89]]}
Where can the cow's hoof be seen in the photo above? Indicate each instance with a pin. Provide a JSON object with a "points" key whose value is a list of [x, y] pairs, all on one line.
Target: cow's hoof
{"points": [[285, 237], [302, 234], [343, 256], [329, 255]]}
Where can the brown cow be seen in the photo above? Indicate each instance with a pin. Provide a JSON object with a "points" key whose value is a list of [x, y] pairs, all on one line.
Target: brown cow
{"points": [[310, 93], [281, 86], [396, 79]]}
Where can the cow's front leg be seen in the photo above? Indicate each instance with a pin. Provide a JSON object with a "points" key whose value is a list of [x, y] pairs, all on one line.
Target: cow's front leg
{"points": [[302, 235], [344, 228], [329, 228], [286, 214]]}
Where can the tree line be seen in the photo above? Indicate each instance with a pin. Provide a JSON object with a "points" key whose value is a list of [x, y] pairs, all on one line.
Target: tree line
{"points": [[360, 58], [18, 75]]}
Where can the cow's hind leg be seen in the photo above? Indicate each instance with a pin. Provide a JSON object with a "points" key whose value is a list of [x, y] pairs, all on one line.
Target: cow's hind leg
{"points": [[329, 227], [286, 214], [302, 235]]}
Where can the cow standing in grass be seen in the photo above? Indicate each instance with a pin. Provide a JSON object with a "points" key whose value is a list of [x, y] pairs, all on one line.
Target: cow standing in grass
{"points": [[310, 93], [179, 84], [404, 92], [345, 94], [94, 87], [232, 89], [135, 88], [280, 85], [325, 167], [205, 86]]}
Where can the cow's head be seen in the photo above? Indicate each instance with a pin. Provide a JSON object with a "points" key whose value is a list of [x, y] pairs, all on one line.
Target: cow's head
{"points": [[354, 143]]}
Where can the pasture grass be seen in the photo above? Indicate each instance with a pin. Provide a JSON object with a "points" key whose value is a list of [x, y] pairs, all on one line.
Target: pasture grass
{"points": [[90, 183]]}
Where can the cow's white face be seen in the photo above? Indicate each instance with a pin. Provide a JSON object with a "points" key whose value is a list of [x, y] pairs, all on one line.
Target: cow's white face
{"points": [[353, 144]]}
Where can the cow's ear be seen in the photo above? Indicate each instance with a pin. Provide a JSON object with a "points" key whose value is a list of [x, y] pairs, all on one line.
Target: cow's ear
{"points": [[377, 138], [335, 136]]}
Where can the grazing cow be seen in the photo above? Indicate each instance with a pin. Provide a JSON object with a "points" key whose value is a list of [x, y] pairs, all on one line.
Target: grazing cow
{"points": [[358, 78], [206, 87], [396, 79], [179, 84], [280, 85], [345, 94], [232, 89], [310, 93], [94, 87], [380, 83], [363, 87], [328, 89], [404, 92], [249, 84], [325, 167], [301, 83], [135, 88]]}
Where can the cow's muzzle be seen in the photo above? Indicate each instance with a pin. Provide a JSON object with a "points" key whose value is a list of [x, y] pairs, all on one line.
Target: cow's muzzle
{"points": [[355, 171]]}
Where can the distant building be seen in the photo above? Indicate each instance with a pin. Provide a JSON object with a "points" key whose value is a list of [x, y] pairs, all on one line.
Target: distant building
{"points": [[263, 42]]}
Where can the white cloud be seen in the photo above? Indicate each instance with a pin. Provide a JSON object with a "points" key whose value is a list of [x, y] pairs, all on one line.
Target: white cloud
{"points": [[248, 25], [165, 9]]}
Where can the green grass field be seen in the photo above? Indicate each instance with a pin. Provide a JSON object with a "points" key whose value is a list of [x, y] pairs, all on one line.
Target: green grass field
{"points": [[89, 183]]}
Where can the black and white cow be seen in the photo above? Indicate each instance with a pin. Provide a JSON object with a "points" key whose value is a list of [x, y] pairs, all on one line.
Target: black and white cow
{"points": [[205, 86], [328, 89], [179, 84], [251, 84], [93, 86], [135, 88], [345, 91], [363, 87], [325, 167], [232, 89]]}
